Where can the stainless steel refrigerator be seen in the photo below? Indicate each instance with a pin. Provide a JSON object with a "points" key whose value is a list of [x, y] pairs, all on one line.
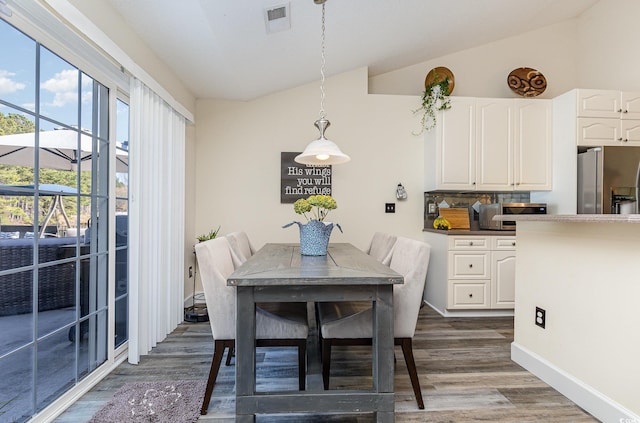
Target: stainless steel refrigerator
{"points": [[608, 179]]}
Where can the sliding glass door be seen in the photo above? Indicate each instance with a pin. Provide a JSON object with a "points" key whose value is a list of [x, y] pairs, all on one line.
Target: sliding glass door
{"points": [[55, 236]]}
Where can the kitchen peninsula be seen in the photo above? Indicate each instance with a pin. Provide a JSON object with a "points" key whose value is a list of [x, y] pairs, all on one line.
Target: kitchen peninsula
{"points": [[583, 271]]}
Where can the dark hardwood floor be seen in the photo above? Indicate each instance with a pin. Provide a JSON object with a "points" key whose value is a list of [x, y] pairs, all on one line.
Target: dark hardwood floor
{"points": [[464, 366]]}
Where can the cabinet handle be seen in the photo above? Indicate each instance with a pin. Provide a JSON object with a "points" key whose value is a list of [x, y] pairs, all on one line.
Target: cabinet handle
{"points": [[513, 243], [620, 139], [473, 183], [471, 243], [625, 111], [470, 266], [625, 140], [619, 110], [470, 295]]}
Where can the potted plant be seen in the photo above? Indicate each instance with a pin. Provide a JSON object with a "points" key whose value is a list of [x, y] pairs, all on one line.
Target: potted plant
{"points": [[211, 235], [434, 98], [314, 235]]}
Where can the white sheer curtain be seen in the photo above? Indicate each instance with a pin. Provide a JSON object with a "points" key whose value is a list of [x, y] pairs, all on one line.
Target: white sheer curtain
{"points": [[156, 229]]}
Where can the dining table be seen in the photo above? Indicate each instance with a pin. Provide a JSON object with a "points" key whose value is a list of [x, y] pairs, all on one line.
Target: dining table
{"points": [[278, 273]]}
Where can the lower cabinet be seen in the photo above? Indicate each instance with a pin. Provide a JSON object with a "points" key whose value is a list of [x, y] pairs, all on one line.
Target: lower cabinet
{"points": [[481, 272]]}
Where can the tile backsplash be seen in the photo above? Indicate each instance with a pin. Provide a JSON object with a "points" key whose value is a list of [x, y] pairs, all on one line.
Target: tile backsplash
{"points": [[433, 200]]}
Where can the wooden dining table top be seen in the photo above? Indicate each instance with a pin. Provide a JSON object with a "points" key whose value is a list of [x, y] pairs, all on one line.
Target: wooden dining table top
{"points": [[282, 264]]}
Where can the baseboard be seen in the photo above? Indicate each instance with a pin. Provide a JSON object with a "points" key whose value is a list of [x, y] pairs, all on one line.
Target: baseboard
{"points": [[199, 295], [471, 313], [585, 396]]}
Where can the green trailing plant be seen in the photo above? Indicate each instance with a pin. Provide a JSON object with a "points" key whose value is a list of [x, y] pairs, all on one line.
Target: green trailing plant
{"points": [[434, 98], [211, 235]]}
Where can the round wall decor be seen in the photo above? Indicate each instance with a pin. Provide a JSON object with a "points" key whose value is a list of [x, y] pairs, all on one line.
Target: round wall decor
{"points": [[436, 75], [527, 82]]}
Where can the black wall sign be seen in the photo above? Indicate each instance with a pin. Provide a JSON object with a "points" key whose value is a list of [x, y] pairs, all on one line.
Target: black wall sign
{"points": [[300, 181]]}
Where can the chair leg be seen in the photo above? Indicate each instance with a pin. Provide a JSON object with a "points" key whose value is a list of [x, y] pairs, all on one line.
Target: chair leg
{"points": [[326, 361], [302, 364], [407, 350], [218, 351], [231, 353]]}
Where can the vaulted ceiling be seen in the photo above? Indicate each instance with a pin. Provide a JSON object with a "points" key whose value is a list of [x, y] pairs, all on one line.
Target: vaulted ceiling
{"points": [[222, 49]]}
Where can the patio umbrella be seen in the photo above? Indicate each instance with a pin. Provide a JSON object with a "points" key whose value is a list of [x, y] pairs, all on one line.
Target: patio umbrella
{"points": [[58, 150], [54, 190]]}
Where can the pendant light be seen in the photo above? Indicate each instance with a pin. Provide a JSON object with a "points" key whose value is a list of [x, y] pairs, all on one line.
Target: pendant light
{"points": [[322, 151]]}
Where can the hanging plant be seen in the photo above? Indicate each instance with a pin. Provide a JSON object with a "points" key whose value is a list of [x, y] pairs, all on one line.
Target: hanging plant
{"points": [[434, 98]]}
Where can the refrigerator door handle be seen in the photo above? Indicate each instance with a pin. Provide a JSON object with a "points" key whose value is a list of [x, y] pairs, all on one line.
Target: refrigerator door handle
{"points": [[637, 208]]}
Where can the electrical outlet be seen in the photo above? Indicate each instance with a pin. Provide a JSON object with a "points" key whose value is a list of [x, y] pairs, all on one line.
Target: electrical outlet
{"points": [[541, 317], [190, 271], [390, 207]]}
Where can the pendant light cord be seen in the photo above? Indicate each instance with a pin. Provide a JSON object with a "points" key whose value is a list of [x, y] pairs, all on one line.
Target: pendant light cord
{"points": [[322, 64]]}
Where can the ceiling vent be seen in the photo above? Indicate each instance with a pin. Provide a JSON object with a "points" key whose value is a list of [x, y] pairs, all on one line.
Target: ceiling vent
{"points": [[277, 19]]}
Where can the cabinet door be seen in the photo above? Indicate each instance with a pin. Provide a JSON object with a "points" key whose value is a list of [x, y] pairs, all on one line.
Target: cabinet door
{"points": [[630, 102], [494, 143], [503, 279], [598, 103], [630, 130], [595, 132], [455, 146], [533, 145]]}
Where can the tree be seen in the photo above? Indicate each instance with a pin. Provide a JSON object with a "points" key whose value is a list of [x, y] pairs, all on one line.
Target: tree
{"points": [[14, 123]]}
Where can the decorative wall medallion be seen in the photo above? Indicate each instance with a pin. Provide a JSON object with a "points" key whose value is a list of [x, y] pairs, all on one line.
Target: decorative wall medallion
{"points": [[527, 82]]}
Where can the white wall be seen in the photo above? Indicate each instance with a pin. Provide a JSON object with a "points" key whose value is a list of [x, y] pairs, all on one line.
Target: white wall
{"points": [[238, 161], [483, 71], [608, 51], [585, 276]]}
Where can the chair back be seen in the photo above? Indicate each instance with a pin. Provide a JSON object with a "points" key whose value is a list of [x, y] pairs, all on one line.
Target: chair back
{"points": [[381, 247], [410, 258], [241, 248], [216, 264]]}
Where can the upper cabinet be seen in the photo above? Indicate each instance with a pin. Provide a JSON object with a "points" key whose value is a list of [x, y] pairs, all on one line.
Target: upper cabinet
{"points": [[608, 104], [607, 117], [490, 144], [451, 147]]}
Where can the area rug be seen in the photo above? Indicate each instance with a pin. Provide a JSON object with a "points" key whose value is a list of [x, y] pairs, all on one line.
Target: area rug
{"points": [[157, 402]]}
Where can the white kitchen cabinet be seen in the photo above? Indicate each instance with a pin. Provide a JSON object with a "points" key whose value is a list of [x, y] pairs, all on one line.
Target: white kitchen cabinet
{"points": [[607, 117], [494, 144], [455, 146], [503, 272], [514, 144], [481, 272], [489, 144], [605, 131], [608, 104]]}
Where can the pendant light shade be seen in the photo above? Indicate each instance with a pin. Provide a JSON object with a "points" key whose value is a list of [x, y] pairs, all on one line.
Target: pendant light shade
{"points": [[322, 151]]}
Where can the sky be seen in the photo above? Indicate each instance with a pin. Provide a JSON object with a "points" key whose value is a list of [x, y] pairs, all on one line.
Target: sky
{"points": [[58, 84]]}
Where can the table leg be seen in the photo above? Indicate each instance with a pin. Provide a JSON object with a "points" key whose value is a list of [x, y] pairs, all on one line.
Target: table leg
{"points": [[383, 366], [245, 349]]}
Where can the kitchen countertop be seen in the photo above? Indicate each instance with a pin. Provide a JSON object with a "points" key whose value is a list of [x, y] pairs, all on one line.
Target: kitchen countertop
{"points": [[572, 218], [470, 232]]}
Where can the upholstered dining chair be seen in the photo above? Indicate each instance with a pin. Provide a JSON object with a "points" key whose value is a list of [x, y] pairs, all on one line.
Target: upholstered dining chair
{"points": [[381, 247], [350, 323], [241, 248], [288, 328]]}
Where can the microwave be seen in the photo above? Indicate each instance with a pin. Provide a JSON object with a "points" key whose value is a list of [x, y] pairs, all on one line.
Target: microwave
{"points": [[487, 211]]}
